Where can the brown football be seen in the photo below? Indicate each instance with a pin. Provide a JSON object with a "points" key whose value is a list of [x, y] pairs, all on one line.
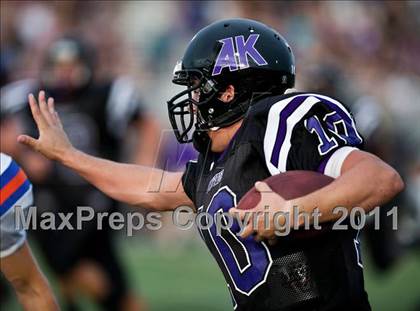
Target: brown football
{"points": [[289, 185]]}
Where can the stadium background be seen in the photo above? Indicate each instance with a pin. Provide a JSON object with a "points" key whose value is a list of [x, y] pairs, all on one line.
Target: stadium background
{"points": [[364, 53]]}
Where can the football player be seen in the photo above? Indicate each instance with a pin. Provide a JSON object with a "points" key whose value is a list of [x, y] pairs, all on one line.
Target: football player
{"points": [[97, 116], [236, 112], [17, 263]]}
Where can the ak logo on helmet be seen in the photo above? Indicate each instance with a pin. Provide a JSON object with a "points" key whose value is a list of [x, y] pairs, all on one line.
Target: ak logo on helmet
{"points": [[235, 53]]}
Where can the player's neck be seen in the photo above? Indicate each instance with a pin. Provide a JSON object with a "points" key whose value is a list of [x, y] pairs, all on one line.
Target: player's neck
{"points": [[222, 137]]}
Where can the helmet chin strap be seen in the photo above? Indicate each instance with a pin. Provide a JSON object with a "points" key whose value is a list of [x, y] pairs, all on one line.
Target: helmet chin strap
{"points": [[235, 110], [201, 141]]}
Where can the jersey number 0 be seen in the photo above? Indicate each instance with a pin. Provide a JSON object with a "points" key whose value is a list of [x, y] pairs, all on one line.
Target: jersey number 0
{"points": [[246, 261]]}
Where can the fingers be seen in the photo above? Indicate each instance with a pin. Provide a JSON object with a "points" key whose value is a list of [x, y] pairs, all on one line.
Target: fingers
{"points": [[28, 141], [44, 107], [50, 104], [58, 120], [239, 213], [41, 97], [36, 113], [247, 217], [242, 215], [51, 110], [261, 233], [262, 187], [248, 230], [43, 112]]}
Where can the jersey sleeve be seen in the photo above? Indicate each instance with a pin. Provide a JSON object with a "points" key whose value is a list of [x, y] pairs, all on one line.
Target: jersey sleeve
{"points": [[14, 96], [309, 132], [16, 197], [189, 179]]}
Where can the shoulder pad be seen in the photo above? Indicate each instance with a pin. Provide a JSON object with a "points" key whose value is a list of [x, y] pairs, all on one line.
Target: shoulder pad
{"points": [[13, 96], [261, 107]]}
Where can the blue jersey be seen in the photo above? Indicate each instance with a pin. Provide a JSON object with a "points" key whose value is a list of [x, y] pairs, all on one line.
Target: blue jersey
{"points": [[15, 195]]}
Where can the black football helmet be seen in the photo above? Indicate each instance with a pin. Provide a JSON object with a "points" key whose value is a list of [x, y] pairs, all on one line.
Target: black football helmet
{"points": [[247, 54], [68, 68]]}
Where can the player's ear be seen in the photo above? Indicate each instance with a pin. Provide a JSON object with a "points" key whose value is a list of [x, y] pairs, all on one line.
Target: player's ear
{"points": [[228, 94]]}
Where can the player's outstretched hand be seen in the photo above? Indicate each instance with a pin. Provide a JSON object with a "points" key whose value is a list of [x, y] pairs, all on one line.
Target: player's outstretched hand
{"points": [[52, 141]]}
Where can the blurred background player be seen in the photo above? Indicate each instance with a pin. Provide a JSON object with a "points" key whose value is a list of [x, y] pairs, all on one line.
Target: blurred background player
{"points": [[17, 263], [99, 117], [372, 46]]}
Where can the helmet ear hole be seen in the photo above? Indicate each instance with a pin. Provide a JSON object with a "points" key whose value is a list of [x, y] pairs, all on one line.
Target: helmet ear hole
{"points": [[228, 94]]}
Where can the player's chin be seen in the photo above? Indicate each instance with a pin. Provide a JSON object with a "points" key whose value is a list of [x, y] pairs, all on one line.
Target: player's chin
{"points": [[216, 146], [218, 140]]}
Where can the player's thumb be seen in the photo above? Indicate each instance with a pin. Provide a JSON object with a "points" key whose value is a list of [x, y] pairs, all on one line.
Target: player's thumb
{"points": [[261, 186], [28, 141]]}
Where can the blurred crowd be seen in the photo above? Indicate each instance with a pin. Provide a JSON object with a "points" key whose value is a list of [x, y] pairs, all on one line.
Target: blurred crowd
{"points": [[362, 53], [358, 51]]}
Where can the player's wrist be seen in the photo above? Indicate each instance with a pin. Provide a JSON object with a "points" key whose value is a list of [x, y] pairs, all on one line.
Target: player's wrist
{"points": [[69, 156], [297, 208]]}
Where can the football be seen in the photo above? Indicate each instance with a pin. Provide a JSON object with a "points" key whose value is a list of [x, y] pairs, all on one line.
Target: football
{"points": [[289, 185]]}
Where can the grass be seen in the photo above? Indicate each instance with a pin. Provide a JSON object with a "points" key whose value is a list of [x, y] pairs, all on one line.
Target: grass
{"points": [[179, 280], [191, 280], [186, 277]]}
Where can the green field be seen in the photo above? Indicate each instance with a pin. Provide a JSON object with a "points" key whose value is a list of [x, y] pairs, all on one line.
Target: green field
{"points": [[190, 280], [186, 278]]}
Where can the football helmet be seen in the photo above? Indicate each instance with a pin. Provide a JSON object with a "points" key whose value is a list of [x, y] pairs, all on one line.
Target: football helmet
{"points": [[68, 68], [247, 54]]}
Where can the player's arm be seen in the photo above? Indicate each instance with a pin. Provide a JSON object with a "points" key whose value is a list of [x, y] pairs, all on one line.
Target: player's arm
{"points": [[31, 287], [365, 181], [132, 184], [328, 141]]}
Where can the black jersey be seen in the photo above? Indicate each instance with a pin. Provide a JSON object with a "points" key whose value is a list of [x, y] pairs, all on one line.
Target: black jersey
{"points": [[298, 131], [95, 120]]}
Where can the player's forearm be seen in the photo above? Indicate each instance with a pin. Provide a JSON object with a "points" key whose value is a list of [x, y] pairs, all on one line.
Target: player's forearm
{"points": [[127, 183], [123, 182], [37, 297], [366, 185], [32, 288]]}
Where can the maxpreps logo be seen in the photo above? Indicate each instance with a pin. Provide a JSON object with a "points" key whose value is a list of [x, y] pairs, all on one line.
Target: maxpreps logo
{"points": [[238, 59]]}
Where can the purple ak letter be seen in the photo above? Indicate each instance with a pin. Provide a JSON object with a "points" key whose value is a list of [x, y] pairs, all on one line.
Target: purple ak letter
{"points": [[244, 49]]}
